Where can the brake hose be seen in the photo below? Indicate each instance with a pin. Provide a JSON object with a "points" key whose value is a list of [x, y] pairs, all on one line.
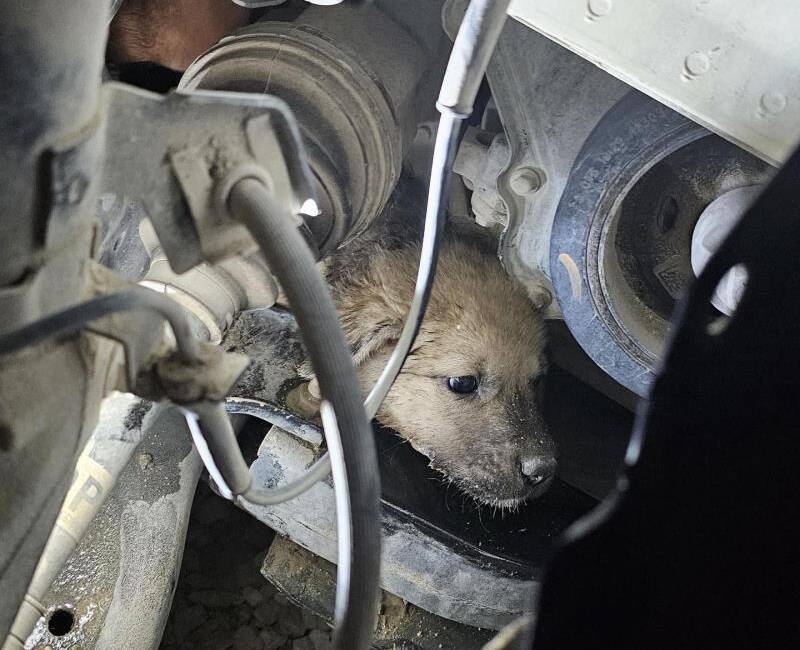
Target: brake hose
{"points": [[290, 259]]}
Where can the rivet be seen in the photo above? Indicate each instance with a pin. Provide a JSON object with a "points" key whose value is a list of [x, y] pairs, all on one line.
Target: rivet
{"points": [[773, 102], [599, 8], [696, 63]]}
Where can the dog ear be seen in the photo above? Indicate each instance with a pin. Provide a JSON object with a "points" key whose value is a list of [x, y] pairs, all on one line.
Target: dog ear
{"points": [[371, 341], [363, 343]]}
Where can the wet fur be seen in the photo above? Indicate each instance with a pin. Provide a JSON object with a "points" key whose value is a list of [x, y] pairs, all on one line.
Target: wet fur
{"points": [[477, 323]]}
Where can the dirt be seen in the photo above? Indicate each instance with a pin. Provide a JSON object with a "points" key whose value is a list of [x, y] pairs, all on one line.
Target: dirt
{"points": [[136, 415], [221, 600]]}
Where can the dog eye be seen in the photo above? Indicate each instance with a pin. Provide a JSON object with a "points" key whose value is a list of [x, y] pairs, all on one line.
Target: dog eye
{"points": [[465, 384]]}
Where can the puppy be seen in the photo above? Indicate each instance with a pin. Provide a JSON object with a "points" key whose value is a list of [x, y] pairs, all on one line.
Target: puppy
{"points": [[467, 394]]}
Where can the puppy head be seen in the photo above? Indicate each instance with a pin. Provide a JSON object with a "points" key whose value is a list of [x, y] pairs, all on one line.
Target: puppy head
{"points": [[467, 395]]}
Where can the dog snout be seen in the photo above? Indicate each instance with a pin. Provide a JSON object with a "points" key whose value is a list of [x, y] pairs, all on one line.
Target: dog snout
{"points": [[538, 469]]}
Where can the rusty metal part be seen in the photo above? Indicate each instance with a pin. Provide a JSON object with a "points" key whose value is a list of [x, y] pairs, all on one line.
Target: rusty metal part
{"points": [[310, 581]]}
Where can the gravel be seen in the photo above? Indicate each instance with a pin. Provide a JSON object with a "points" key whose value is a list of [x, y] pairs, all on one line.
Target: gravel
{"points": [[221, 600]]}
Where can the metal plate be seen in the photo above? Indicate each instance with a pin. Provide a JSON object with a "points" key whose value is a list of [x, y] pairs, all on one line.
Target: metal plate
{"points": [[731, 65]]}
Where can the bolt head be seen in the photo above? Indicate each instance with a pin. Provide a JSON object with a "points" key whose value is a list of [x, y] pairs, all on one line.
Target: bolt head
{"points": [[526, 180]]}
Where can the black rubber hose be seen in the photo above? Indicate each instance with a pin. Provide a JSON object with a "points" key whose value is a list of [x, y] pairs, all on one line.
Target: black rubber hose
{"points": [[75, 318], [289, 258]]}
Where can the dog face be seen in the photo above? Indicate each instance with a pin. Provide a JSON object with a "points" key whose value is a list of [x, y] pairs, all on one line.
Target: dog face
{"points": [[467, 395]]}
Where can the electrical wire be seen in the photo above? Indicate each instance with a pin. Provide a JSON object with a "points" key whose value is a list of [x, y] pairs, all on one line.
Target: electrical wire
{"points": [[273, 496], [341, 496], [443, 154], [73, 319]]}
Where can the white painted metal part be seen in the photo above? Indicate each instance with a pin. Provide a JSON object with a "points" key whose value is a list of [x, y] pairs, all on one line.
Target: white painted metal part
{"points": [[731, 65], [714, 225]]}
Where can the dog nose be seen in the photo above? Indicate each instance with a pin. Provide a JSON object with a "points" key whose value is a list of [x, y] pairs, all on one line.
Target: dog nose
{"points": [[537, 469]]}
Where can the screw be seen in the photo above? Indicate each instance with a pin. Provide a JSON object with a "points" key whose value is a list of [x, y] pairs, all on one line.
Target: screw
{"points": [[526, 180]]}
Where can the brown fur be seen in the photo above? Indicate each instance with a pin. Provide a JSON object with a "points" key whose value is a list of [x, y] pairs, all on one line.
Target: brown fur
{"points": [[477, 323]]}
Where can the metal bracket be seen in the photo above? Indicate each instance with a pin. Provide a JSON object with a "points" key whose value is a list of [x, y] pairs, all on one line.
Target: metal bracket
{"points": [[731, 66], [545, 132], [172, 152]]}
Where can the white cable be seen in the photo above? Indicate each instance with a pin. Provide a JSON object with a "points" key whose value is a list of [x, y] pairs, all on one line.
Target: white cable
{"points": [[342, 498], [344, 531], [443, 154], [193, 422]]}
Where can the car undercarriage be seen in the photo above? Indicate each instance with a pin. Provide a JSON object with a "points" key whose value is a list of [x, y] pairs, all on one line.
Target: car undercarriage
{"points": [[635, 167]]}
